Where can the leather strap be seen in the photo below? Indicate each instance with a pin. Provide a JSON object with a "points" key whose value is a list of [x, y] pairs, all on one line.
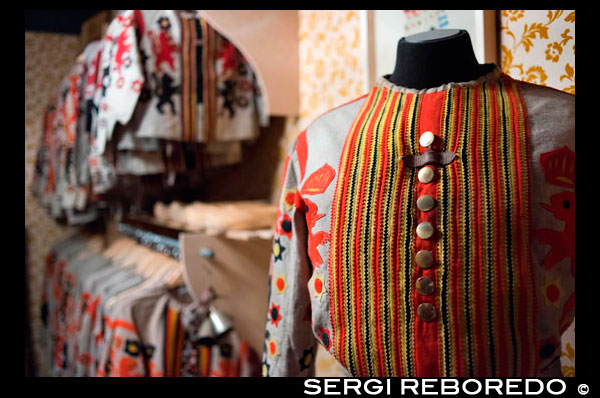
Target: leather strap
{"points": [[429, 157]]}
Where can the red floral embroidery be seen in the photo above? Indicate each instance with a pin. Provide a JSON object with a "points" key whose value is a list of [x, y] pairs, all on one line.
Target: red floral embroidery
{"points": [[274, 314], [289, 198], [137, 85], [318, 181], [284, 224], [318, 286], [568, 313], [121, 55], [153, 371], [280, 284], [317, 238], [128, 367], [559, 167], [273, 348], [302, 151], [562, 243], [325, 337], [163, 45]]}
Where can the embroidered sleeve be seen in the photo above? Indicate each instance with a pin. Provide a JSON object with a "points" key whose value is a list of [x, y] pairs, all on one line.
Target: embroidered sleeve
{"points": [[289, 342], [122, 77]]}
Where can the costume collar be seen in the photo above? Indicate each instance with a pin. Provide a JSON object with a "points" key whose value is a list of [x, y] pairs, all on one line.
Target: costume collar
{"points": [[494, 75]]}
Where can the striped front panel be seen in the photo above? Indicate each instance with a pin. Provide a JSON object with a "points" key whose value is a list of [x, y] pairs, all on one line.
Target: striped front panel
{"points": [[484, 288]]}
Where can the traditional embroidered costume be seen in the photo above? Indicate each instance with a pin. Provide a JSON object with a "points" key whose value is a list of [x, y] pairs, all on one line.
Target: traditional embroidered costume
{"points": [[428, 233]]}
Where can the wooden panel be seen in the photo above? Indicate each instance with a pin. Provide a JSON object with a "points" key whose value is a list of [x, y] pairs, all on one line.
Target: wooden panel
{"points": [[490, 36], [238, 273], [269, 40], [94, 28]]}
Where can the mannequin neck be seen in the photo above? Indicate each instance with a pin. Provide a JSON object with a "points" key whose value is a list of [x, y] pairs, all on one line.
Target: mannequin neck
{"points": [[435, 58]]}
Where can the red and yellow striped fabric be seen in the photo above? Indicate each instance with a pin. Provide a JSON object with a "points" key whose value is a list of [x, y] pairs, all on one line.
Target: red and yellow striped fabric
{"points": [[174, 334], [484, 293]]}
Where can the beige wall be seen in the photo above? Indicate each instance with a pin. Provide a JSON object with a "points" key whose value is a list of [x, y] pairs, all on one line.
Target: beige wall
{"points": [[48, 58]]}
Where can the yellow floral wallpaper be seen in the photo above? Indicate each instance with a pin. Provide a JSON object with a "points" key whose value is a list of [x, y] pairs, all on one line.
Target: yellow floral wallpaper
{"points": [[332, 69], [48, 58], [538, 46]]}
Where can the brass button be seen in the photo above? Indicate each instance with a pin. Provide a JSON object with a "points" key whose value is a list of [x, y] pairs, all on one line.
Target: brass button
{"points": [[425, 230], [426, 312], [425, 203], [424, 258], [426, 139], [426, 175], [425, 286]]}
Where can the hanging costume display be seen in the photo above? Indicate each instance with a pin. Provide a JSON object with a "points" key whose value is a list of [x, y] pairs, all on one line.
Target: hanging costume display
{"points": [[105, 319], [156, 76], [428, 233]]}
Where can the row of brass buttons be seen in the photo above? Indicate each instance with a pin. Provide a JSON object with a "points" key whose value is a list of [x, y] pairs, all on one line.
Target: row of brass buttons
{"points": [[424, 258]]}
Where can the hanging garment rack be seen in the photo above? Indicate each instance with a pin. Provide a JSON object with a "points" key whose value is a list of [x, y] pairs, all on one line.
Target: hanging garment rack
{"points": [[156, 237]]}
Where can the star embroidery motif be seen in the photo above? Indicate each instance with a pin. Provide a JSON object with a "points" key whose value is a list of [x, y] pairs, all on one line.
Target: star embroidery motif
{"points": [[275, 315], [272, 347], [278, 249], [318, 286], [280, 284], [306, 359], [289, 198]]}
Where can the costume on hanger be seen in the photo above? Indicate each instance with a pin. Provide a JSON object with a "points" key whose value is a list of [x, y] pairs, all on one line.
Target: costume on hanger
{"points": [[456, 262], [156, 75], [105, 319], [199, 88]]}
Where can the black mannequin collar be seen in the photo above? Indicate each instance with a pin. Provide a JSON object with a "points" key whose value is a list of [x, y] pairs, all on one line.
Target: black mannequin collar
{"points": [[422, 62]]}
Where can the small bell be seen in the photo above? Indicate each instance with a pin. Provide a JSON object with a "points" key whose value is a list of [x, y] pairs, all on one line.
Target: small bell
{"points": [[221, 323]]}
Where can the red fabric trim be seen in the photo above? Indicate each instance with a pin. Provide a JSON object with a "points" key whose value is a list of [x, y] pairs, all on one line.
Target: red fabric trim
{"points": [[427, 350], [399, 187]]}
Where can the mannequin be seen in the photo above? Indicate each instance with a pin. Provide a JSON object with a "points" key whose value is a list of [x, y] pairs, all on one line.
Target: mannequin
{"points": [[434, 58], [422, 268]]}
